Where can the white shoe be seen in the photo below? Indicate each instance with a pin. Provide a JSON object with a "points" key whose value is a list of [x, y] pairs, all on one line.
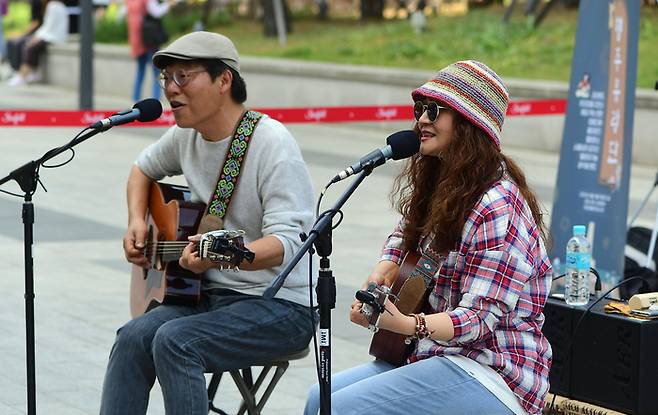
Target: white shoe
{"points": [[32, 77], [16, 80], [5, 71]]}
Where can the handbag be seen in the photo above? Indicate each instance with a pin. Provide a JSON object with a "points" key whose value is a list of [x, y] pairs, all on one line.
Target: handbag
{"points": [[153, 32]]}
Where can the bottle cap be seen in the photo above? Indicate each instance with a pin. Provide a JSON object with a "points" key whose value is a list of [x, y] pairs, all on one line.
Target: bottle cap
{"points": [[579, 229]]}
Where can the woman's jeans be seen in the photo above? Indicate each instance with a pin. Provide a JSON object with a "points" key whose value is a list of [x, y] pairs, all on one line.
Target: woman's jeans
{"points": [[433, 386], [179, 344], [143, 61]]}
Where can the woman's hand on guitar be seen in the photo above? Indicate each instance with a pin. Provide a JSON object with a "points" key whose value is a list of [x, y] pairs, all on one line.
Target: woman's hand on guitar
{"points": [[391, 319], [375, 277], [356, 316], [134, 242], [355, 309]]}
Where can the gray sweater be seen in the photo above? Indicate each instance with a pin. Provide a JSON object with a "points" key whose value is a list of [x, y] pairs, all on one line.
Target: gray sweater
{"points": [[274, 196]]}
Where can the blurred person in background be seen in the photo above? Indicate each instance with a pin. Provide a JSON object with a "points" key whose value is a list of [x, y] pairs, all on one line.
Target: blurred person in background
{"points": [[417, 18], [136, 11], [54, 29], [4, 5], [13, 48]]}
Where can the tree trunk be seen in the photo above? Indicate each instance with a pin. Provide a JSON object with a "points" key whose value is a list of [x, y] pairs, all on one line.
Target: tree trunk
{"points": [[323, 9], [208, 7], [269, 18], [372, 9]]}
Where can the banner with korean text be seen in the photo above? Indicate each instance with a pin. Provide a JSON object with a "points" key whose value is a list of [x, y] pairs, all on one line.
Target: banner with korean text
{"points": [[594, 169]]}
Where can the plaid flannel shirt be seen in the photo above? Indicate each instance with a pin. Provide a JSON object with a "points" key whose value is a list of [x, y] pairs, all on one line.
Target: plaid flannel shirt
{"points": [[493, 287]]}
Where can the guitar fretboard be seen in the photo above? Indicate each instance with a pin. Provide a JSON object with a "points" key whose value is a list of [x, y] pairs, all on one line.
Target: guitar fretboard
{"points": [[165, 250]]}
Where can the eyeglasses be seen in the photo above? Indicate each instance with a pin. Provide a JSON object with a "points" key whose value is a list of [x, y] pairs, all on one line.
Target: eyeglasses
{"points": [[180, 77], [432, 109]]}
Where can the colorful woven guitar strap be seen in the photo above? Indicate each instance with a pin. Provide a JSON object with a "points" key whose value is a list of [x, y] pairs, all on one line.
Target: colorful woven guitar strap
{"points": [[230, 173], [427, 266]]}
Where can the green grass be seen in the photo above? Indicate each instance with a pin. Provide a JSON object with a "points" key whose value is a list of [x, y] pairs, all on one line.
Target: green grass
{"points": [[515, 50]]}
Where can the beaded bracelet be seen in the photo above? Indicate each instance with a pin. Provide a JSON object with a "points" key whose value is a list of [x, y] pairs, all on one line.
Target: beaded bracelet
{"points": [[422, 331]]}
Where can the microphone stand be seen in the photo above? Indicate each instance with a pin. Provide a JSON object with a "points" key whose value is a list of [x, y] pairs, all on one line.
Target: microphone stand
{"points": [[326, 288], [27, 177]]}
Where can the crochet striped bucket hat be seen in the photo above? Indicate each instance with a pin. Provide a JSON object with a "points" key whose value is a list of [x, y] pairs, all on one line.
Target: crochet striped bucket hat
{"points": [[472, 89]]}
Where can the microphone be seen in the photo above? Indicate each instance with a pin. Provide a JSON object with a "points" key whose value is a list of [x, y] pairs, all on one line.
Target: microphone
{"points": [[145, 110], [399, 146]]}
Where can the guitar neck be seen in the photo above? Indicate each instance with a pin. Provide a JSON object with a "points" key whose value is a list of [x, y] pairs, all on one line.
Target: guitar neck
{"points": [[166, 250]]}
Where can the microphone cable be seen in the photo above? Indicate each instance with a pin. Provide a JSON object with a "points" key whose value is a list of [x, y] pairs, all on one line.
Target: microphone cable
{"points": [[577, 326], [322, 193], [50, 166], [55, 150], [313, 307], [312, 311]]}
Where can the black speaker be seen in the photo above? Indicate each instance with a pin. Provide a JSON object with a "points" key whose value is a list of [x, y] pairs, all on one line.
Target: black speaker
{"points": [[557, 329], [614, 358]]}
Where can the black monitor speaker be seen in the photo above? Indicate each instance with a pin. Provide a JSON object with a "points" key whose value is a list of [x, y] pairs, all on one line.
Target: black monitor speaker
{"points": [[613, 361]]}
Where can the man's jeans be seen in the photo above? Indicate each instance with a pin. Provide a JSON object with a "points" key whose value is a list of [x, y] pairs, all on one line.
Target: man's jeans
{"points": [[179, 344]]}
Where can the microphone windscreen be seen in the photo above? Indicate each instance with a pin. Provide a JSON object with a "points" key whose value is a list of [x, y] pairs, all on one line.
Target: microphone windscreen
{"points": [[150, 109], [403, 144]]}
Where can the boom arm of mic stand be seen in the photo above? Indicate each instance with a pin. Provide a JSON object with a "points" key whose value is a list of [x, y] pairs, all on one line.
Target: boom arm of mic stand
{"points": [[25, 175], [319, 226]]}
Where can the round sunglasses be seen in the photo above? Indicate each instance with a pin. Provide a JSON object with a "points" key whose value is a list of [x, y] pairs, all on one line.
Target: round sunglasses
{"points": [[432, 109]]}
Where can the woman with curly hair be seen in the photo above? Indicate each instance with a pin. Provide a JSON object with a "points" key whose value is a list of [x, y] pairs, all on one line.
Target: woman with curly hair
{"points": [[466, 208]]}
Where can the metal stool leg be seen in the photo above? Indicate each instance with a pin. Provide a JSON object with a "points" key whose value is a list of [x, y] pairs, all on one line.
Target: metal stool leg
{"points": [[243, 380], [280, 370], [212, 390], [248, 394]]}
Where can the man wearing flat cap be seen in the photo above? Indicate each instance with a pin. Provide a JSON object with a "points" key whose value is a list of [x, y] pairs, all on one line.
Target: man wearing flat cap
{"points": [[233, 326]]}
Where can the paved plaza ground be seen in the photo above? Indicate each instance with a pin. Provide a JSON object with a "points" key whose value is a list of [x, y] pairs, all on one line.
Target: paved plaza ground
{"points": [[82, 280]]}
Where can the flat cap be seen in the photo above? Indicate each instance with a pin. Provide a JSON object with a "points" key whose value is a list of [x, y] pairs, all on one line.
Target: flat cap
{"points": [[199, 45]]}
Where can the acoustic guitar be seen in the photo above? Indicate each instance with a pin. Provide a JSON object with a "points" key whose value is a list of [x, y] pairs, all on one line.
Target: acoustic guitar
{"points": [[171, 218], [411, 292]]}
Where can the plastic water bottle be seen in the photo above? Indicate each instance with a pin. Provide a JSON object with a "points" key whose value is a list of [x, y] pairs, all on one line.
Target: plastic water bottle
{"points": [[576, 286]]}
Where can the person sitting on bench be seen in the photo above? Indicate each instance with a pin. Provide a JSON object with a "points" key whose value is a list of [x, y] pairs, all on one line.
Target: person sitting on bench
{"points": [[55, 29]]}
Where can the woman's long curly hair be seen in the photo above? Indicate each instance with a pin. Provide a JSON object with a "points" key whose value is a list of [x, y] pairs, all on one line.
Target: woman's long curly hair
{"points": [[436, 195]]}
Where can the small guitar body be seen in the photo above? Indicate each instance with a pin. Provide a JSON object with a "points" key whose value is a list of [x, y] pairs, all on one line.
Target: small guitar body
{"points": [[170, 217], [411, 292]]}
